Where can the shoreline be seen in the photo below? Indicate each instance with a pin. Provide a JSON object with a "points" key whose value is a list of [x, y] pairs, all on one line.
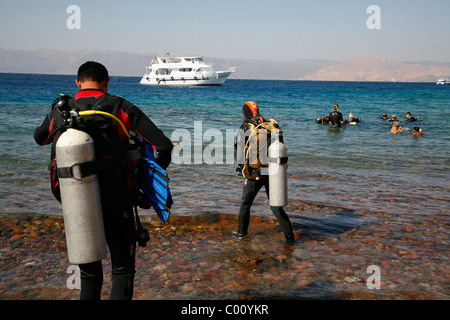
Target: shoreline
{"points": [[196, 257]]}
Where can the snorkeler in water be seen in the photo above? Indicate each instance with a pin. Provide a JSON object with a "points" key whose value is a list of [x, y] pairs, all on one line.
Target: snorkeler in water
{"points": [[396, 128], [393, 118], [352, 118], [417, 132]]}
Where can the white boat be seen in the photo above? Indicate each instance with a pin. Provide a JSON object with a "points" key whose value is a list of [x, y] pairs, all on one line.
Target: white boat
{"points": [[183, 71], [443, 80]]}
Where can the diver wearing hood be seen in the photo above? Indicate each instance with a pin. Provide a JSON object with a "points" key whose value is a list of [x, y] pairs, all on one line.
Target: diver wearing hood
{"points": [[252, 117]]}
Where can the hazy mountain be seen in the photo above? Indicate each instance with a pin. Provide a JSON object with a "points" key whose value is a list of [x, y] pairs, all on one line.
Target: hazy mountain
{"points": [[133, 64], [379, 69], [274, 70], [52, 61]]}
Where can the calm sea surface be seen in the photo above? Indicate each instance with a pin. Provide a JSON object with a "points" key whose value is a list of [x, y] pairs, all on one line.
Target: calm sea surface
{"points": [[353, 167], [360, 169]]}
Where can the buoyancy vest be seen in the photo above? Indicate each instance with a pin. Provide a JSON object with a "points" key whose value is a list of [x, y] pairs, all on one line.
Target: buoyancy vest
{"points": [[258, 139], [113, 149]]}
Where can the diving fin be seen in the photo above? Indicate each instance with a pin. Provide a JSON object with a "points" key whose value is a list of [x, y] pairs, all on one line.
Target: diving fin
{"points": [[154, 184]]}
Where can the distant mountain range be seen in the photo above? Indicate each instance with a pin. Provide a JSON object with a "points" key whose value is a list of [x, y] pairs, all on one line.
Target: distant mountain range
{"points": [[52, 61], [380, 69]]}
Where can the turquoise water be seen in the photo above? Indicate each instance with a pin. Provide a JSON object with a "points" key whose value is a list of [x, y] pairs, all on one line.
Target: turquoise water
{"points": [[353, 167], [357, 196]]}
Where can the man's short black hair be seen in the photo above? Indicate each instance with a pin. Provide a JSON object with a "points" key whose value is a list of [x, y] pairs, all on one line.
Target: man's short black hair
{"points": [[93, 71]]}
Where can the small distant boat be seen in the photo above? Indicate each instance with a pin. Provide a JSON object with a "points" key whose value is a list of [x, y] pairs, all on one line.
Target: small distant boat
{"points": [[443, 81], [183, 71]]}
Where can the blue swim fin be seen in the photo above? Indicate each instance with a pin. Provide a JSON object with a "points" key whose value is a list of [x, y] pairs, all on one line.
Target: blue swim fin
{"points": [[154, 183]]}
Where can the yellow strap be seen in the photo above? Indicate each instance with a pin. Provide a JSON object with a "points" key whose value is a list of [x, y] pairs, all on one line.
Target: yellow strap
{"points": [[93, 112], [270, 122], [251, 135]]}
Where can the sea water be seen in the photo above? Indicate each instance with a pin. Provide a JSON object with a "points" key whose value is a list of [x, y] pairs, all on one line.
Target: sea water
{"points": [[353, 167], [357, 196]]}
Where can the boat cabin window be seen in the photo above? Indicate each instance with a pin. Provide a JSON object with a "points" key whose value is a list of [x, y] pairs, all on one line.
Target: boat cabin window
{"points": [[163, 71], [185, 69]]}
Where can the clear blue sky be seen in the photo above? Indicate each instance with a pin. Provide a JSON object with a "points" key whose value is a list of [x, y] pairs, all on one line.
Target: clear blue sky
{"points": [[411, 30]]}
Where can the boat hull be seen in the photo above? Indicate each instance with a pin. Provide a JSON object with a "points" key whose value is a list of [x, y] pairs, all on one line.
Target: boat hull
{"points": [[443, 81], [217, 80]]}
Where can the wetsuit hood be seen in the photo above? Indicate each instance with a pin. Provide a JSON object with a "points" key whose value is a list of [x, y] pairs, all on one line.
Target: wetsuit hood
{"points": [[250, 110]]}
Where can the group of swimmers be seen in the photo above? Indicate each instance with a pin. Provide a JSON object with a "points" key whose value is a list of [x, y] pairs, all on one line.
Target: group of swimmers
{"points": [[335, 120], [396, 128]]}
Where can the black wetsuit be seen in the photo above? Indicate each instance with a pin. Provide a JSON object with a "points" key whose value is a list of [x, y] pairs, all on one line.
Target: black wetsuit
{"points": [[116, 205], [336, 119], [251, 189]]}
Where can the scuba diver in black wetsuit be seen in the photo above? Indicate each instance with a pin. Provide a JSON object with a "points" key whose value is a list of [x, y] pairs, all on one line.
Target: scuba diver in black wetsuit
{"points": [[252, 186], [410, 118], [116, 192], [336, 119]]}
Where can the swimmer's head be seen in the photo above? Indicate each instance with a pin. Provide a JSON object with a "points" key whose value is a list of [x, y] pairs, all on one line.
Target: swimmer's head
{"points": [[336, 107]]}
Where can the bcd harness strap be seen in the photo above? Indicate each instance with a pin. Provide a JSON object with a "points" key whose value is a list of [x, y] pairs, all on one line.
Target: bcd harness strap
{"points": [[77, 170], [281, 160], [85, 169]]}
